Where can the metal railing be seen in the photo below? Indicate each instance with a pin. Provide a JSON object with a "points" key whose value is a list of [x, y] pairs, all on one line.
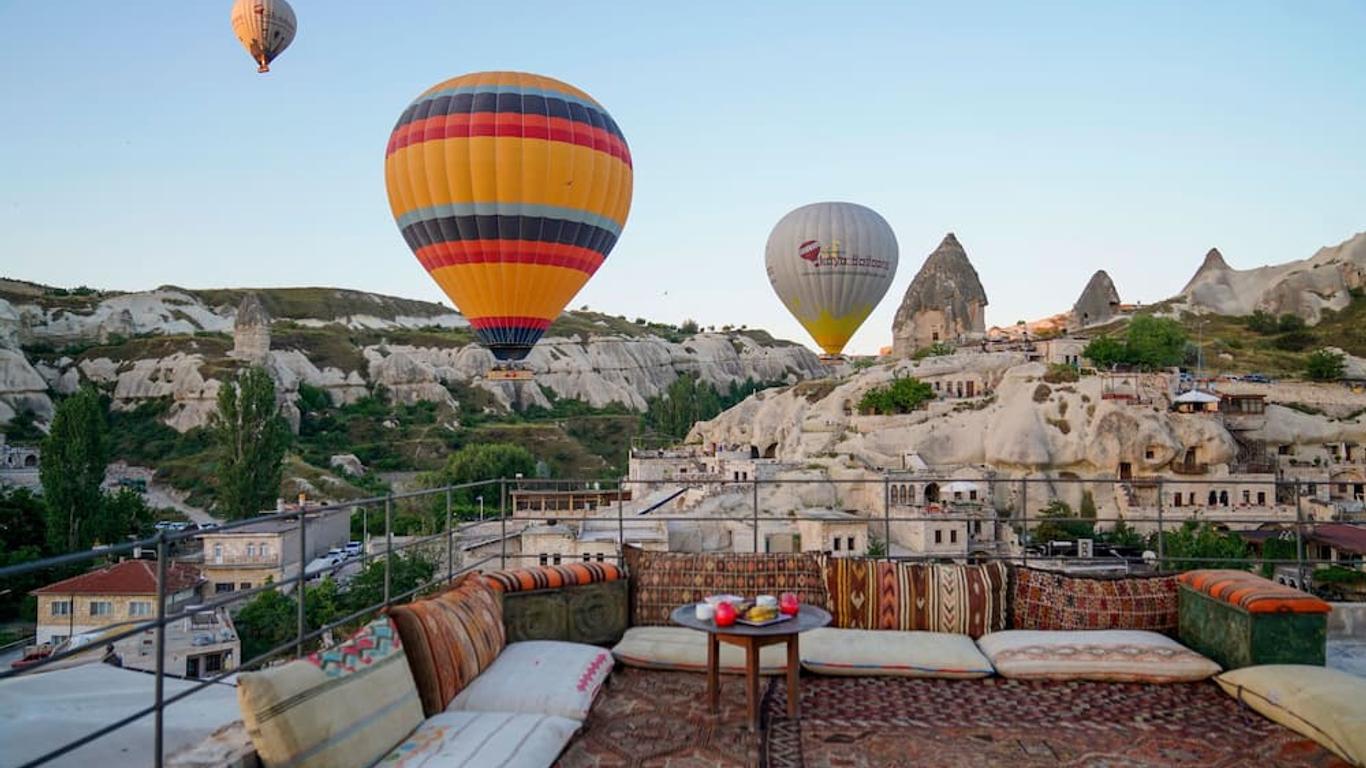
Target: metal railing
{"points": [[1015, 504]]}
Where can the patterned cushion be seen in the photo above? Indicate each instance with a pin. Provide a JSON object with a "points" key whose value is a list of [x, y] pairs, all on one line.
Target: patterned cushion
{"points": [[1050, 600], [685, 650], [552, 576], [484, 738], [346, 706], [539, 677], [1327, 705], [885, 594], [662, 581], [1252, 593], [1118, 656], [450, 638], [830, 651]]}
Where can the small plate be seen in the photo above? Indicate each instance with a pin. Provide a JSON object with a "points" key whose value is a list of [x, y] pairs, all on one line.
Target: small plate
{"points": [[748, 623]]}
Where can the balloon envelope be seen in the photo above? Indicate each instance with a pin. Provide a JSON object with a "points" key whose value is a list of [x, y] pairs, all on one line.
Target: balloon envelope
{"points": [[264, 27], [831, 263], [511, 189]]}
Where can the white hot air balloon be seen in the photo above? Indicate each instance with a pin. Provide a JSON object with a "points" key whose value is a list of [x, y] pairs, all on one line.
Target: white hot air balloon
{"points": [[264, 27], [831, 263]]}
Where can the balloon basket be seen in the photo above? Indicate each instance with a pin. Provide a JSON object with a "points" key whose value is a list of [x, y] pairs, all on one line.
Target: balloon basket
{"points": [[832, 359], [508, 374]]}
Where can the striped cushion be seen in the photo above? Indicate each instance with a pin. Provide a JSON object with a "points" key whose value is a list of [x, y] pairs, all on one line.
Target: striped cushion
{"points": [[553, 576], [885, 594], [484, 739], [450, 638], [346, 706], [1252, 593]]}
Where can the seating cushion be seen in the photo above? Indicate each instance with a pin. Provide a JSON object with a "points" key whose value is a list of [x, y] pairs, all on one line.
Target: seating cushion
{"points": [[1050, 600], [683, 649], [662, 581], [552, 576], [1327, 705], [885, 594], [539, 677], [345, 706], [484, 738], [450, 638], [830, 651], [1253, 593], [1120, 655]]}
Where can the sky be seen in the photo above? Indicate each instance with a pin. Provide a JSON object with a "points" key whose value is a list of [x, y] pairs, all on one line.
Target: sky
{"points": [[141, 148]]}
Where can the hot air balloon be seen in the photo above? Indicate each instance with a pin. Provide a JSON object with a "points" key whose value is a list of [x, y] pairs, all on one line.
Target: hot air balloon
{"points": [[511, 189], [264, 27], [831, 263]]}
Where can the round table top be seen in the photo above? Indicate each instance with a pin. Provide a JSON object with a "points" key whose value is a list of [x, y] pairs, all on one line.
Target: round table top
{"points": [[809, 617]]}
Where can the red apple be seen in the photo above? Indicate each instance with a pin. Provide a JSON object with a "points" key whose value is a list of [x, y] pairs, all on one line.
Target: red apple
{"points": [[725, 614], [788, 604]]}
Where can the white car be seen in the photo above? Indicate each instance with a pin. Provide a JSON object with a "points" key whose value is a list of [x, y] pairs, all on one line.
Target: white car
{"points": [[354, 549]]}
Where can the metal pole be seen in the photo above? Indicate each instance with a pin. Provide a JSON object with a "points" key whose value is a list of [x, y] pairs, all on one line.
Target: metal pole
{"points": [[886, 516], [1161, 533], [162, 552], [756, 512], [1024, 518], [621, 524], [364, 533], [388, 543], [450, 538], [302, 585], [503, 523], [1299, 537]]}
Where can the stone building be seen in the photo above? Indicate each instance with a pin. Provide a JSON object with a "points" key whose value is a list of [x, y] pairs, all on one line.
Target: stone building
{"points": [[251, 331], [1098, 303], [944, 303], [115, 594], [246, 557]]}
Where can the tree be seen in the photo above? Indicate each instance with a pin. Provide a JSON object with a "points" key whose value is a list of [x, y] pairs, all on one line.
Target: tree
{"points": [[406, 573], [478, 463], [1155, 342], [1105, 352], [75, 455], [1123, 535], [1058, 523], [903, 395], [23, 538], [876, 546], [1262, 322], [689, 327], [250, 438], [1325, 365], [267, 621], [1198, 544], [1290, 322], [686, 402], [1276, 548], [122, 514]]}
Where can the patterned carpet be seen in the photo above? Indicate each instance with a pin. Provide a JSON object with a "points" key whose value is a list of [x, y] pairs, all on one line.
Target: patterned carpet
{"points": [[660, 719]]}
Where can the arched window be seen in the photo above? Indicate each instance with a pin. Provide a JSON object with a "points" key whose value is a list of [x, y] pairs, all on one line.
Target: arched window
{"points": [[909, 493], [1223, 498], [251, 550], [1213, 498]]}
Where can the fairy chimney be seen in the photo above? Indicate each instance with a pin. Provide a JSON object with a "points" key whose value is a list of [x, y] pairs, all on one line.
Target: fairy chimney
{"points": [[944, 303], [251, 331], [1098, 303]]}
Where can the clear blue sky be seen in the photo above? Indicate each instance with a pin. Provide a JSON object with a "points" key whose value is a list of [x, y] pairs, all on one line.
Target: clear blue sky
{"points": [[141, 148]]}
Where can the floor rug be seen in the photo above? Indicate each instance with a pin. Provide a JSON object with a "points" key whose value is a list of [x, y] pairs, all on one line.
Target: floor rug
{"points": [[856, 722]]}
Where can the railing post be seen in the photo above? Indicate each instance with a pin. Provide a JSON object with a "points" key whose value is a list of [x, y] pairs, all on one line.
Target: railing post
{"points": [[1299, 537], [163, 551], [1161, 532], [756, 512], [302, 585], [450, 538], [1024, 519], [503, 523], [621, 523], [388, 545], [886, 517]]}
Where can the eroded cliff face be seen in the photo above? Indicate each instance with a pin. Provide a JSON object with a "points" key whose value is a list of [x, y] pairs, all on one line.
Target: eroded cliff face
{"points": [[171, 344], [1305, 287]]}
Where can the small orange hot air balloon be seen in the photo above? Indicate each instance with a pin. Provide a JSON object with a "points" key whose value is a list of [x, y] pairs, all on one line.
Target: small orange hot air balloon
{"points": [[511, 189]]}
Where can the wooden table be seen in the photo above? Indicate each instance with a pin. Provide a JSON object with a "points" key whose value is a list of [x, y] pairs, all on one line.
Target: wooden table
{"points": [[752, 639]]}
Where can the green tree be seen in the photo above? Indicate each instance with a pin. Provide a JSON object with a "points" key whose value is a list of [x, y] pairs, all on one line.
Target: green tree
{"points": [[267, 621], [75, 455], [1262, 322], [1198, 544], [1155, 342], [1105, 352], [903, 395], [250, 438], [1290, 322], [1058, 523], [686, 402], [407, 572], [1123, 535], [1325, 365], [477, 463], [876, 546], [122, 514], [1274, 549], [23, 538]]}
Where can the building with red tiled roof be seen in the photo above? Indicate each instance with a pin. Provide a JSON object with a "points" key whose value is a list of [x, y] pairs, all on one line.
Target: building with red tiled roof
{"points": [[1343, 543], [115, 594]]}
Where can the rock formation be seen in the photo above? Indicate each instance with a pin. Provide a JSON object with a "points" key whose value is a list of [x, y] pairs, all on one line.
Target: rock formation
{"points": [[1305, 287], [1098, 303], [251, 331], [945, 302]]}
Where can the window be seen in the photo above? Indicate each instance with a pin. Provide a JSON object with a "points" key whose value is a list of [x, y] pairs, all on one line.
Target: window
{"points": [[555, 560], [265, 549], [101, 608], [1176, 499], [837, 543], [957, 495], [213, 662], [938, 536], [140, 608], [221, 586], [55, 639], [244, 586], [599, 557], [218, 552], [1247, 497], [1261, 498], [1149, 453], [61, 608], [587, 558], [953, 536], [849, 543], [545, 559], [251, 550], [1283, 450], [972, 495]]}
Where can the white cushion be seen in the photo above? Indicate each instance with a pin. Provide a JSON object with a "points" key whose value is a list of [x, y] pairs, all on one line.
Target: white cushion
{"points": [[484, 738], [539, 677], [1327, 705], [1110, 655], [831, 651], [680, 648]]}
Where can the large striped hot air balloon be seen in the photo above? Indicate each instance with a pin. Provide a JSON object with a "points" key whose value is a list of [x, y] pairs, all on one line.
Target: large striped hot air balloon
{"points": [[264, 27], [831, 263], [511, 189]]}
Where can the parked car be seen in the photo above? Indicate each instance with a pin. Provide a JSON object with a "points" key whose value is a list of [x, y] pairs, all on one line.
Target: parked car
{"points": [[1257, 378], [354, 549]]}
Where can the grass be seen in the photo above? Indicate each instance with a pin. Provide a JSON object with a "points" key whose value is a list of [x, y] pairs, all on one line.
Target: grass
{"points": [[548, 442], [330, 304], [325, 347], [158, 346]]}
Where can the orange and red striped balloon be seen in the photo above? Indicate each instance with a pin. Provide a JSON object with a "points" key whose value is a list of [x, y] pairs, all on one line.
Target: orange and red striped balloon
{"points": [[511, 189]]}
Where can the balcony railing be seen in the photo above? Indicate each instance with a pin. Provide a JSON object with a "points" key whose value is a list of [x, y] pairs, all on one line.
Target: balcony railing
{"points": [[1017, 499], [1190, 468]]}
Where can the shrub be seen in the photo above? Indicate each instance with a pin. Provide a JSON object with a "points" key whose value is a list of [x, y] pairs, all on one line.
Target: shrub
{"points": [[937, 349], [1262, 322], [1325, 365], [1042, 393], [1060, 373], [903, 395], [1294, 341], [1290, 322]]}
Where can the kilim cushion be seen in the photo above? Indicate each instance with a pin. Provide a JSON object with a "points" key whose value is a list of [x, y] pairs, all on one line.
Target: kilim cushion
{"points": [[484, 739], [1050, 600], [553, 576], [662, 581], [539, 677], [830, 651], [1116, 656], [451, 638], [885, 594], [685, 650], [1253, 593], [345, 706], [1327, 705]]}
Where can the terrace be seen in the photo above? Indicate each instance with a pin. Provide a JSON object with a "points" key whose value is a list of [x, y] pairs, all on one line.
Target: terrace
{"points": [[650, 716]]}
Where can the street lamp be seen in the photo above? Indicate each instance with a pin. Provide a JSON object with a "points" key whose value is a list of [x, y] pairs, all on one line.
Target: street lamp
{"points": [[480, 499]]}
